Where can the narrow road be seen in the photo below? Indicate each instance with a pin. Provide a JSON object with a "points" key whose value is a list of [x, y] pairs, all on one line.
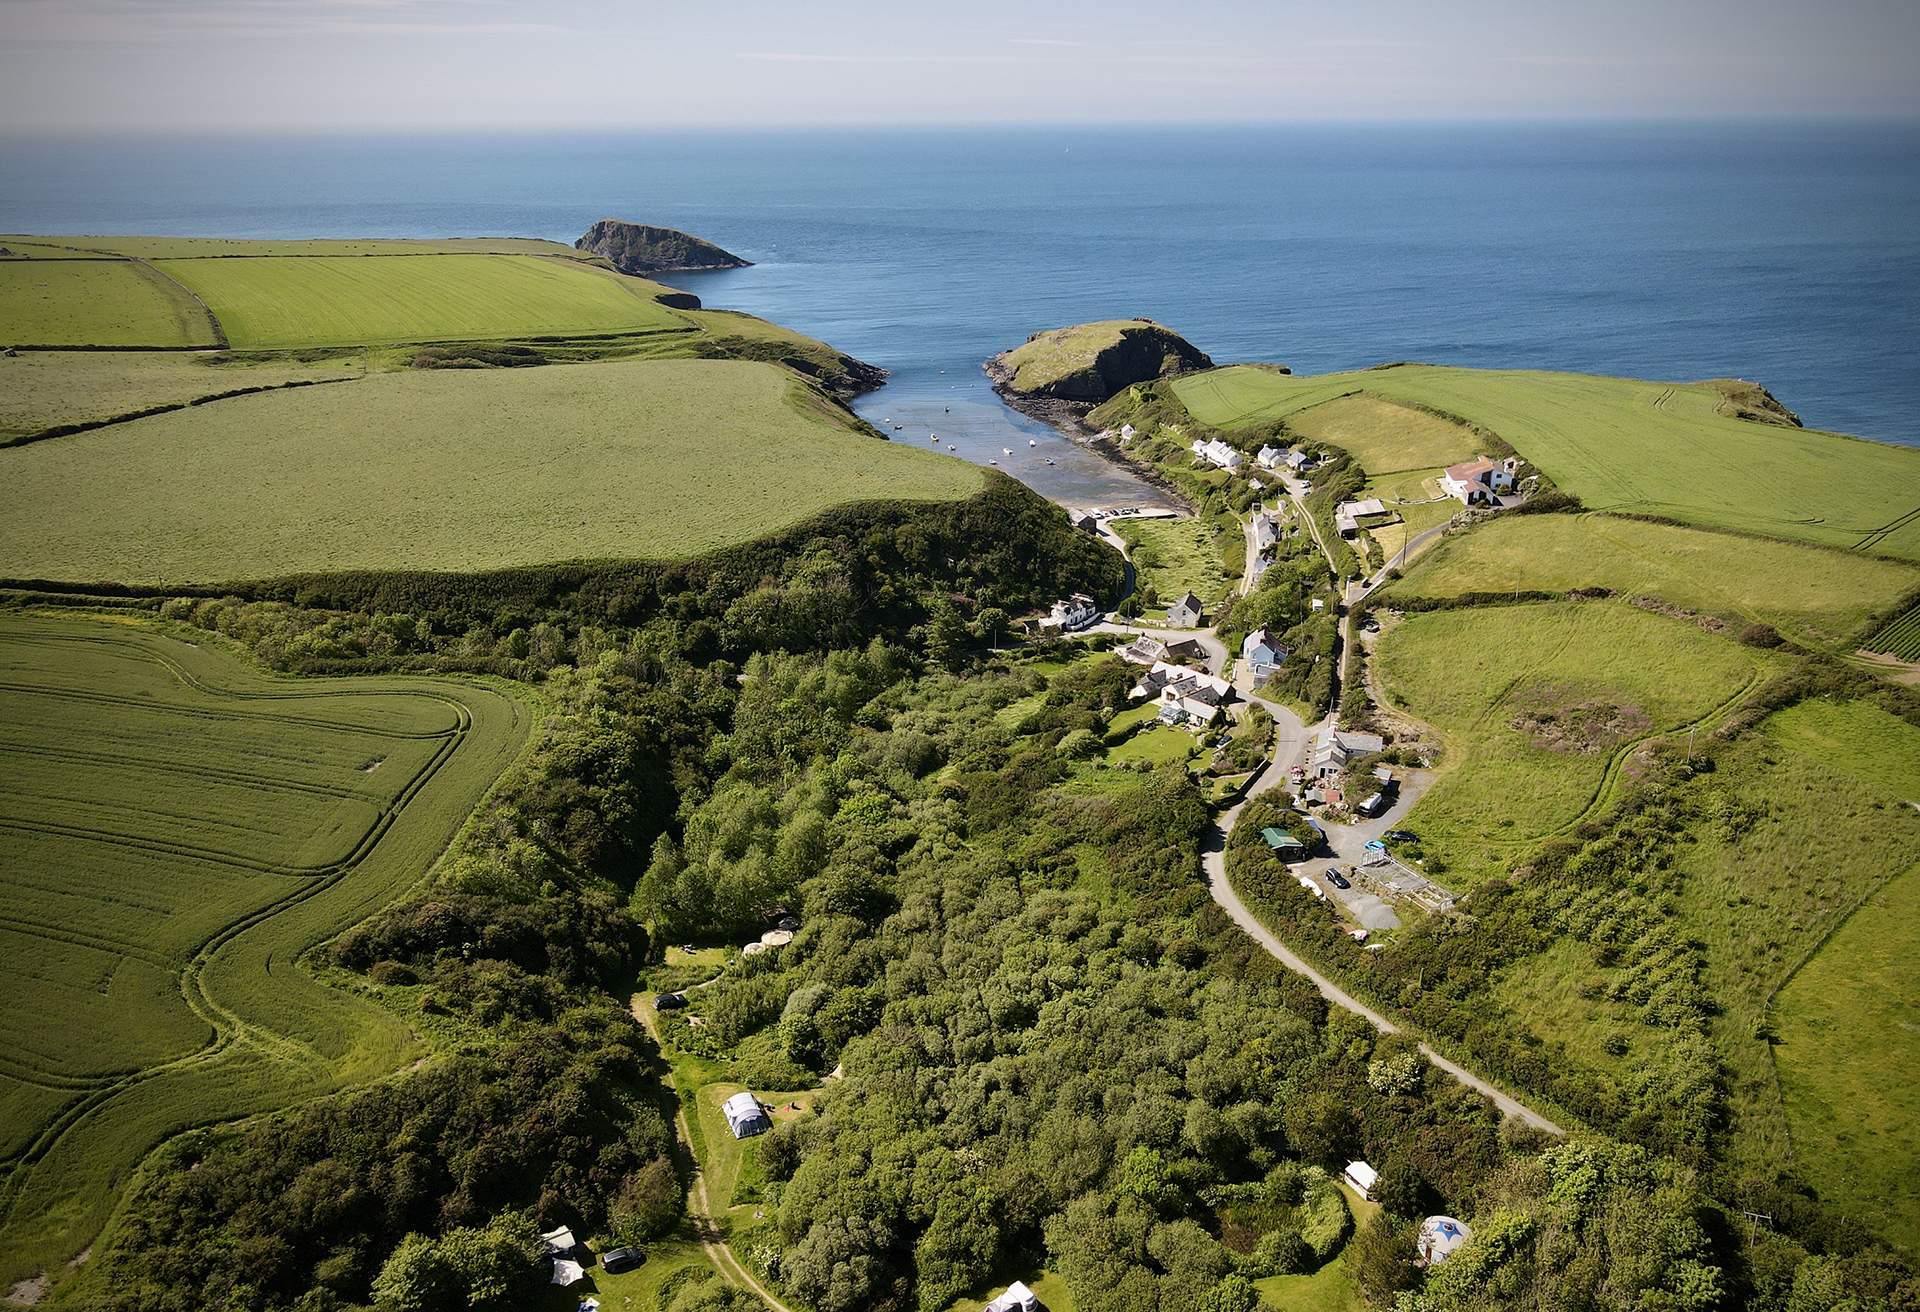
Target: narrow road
{"points": [[706, 1226]]}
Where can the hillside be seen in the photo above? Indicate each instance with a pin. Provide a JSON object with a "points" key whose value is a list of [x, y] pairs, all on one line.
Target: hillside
{"points": [[1090, 362], [641, 248], [637, 459]]}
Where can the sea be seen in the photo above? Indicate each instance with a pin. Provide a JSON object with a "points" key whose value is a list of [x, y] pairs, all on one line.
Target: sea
{"points": [[1784, 252]]}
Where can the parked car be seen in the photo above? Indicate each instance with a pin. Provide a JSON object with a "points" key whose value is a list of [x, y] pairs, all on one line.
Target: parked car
{"points": [[670, 1002], [1337, 879], [616, 1260], [1402, 836]]}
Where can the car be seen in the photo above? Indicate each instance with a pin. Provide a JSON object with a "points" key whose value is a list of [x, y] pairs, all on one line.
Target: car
{"points": [[1337, 879], [670, 1002], [616, 1260], [1402, 836]]}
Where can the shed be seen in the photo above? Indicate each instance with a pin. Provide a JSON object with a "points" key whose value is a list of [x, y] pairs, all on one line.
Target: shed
{"points": [[1362, 1177], [745, 1116], [1283, 842]]}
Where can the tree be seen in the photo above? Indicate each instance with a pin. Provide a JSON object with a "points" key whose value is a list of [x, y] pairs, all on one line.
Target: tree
{"points": [[1235, 1293], [649, 1203], [990, 623], [1381, 1258], [483, 1268]]}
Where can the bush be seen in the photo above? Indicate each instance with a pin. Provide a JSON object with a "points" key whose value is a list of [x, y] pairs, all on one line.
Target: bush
{"points": [[649, 1204], [1323, 1217]]}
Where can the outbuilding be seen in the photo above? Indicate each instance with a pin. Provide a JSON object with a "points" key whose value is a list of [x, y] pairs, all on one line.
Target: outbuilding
{"points": [[745, 1116], [1362, 1177], [1284, 845]]}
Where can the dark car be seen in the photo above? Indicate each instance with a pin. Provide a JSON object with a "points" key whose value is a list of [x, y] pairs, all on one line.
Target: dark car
{"points": [[1337, 879], [622, 1259], [670, 1001], [1402, 836]]}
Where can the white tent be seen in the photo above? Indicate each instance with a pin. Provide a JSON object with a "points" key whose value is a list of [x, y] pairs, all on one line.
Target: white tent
{"points": [[560, 1242], [1362, 1177], [566, 1271], [1018, 1298], [1439, 1236]]}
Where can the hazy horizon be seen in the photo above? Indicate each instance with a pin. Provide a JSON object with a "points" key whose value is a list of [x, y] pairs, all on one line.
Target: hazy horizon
{"points": [[194, 66]]}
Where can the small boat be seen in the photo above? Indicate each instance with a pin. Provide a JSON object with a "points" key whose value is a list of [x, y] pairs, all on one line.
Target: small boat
{"points": [[1049, 462], [993, 462], [1006, 450], [1031, 442]]}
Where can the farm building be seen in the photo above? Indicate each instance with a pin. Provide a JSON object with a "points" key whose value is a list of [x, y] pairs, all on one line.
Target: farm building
{"points": [[1017, 1298], [1348, 514], [1476, 482], [1186, 613], [1439, 1237], [745, 1116], [1361, 1177], [1262, 652]]}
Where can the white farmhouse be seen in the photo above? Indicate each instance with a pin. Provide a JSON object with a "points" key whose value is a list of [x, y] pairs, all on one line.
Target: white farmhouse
{"points": [[1186, 613], [1271, 457], [1075, 612], [1477, 482]]}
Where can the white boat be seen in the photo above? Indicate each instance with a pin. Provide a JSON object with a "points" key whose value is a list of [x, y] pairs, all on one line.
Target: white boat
{"points": [[1031, 442], [993, 462], [1006, 450], [1049, 462]]}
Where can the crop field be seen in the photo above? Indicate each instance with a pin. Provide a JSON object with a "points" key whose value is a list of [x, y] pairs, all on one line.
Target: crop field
{"points": [[178, 831], [646, 459], [1172, 555], [1621, 444], [1813, 595], [96, 303], [42, 390], [1383, 436], [1900, 638], [327, 301], [1540, 706]]}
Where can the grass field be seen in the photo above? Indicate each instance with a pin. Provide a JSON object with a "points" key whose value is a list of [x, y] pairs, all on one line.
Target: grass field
{"points": [[1383, 436], [323, 301], [1172, 555], [1540, 706], [96, 303], [1054, 354], [178, 831], [40, 390], [1813, 595], [1620, 444], [621, 460]]}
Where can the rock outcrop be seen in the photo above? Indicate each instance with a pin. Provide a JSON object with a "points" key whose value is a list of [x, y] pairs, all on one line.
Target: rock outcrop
{"points": [[642, 249], [1090, 362]]}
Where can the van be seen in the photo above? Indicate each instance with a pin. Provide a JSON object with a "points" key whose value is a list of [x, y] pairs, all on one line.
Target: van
{"points": [[1374, 806]]}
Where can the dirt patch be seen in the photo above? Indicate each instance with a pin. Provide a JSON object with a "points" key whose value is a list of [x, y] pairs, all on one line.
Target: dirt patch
{"points": [[1710, 623], [28, 1292], [373, 765], [1558, 722]]}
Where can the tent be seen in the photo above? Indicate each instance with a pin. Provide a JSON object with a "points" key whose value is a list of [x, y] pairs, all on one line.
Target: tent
{"points": [[566, 1271]]}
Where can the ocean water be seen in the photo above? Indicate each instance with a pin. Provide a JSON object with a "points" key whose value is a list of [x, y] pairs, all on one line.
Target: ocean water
{"points": [[1788, 253]]}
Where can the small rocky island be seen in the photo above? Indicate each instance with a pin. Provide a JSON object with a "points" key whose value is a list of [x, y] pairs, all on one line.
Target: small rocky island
{"points": [[643, 250], [1081, 366]]}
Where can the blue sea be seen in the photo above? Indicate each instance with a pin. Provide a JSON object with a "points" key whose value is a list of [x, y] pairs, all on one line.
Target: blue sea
{"points": [[1788, 253]]}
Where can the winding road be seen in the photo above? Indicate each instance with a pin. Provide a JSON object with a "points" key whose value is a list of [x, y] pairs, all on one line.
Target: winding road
{"points": [[1291, 739]]}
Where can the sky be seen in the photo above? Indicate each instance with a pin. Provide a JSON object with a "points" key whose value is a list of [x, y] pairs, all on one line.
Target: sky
{"points": [[354, 65]]}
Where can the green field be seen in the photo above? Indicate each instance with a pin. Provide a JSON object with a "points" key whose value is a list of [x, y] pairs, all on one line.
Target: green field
{"points": [[648, 459], [1620, 444], [1052, 355], [178, 831], [96, 303], [328, 301], [1814, 595], [1383, 436], [41, 390], [1539, 706], [1172, 556], [162, 248]]}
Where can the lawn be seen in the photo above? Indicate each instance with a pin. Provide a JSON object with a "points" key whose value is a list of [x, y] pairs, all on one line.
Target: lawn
{"points": [[96, 303], [1408, 494], [1813, 595], [178, 831], [1051, 1288], [41, 390], [648, 459], [1171, 556], [1157, 744], [299, 301], [638, 1290], [1385, 437], [1539, 706], [1620, 444]]}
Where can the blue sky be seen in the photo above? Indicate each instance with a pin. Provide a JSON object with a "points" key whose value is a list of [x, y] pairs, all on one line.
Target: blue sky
{"points": [[437, 64]]}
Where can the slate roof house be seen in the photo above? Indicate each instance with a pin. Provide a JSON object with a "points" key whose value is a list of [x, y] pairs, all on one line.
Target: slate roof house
{"points": [[1335, 748], [1271, 457], [1186, 613], [1266, 529], [1143, 650], [1262, 652]]}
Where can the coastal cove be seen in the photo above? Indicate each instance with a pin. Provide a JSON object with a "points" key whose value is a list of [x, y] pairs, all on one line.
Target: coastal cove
{"points": [[1771, 252]]}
